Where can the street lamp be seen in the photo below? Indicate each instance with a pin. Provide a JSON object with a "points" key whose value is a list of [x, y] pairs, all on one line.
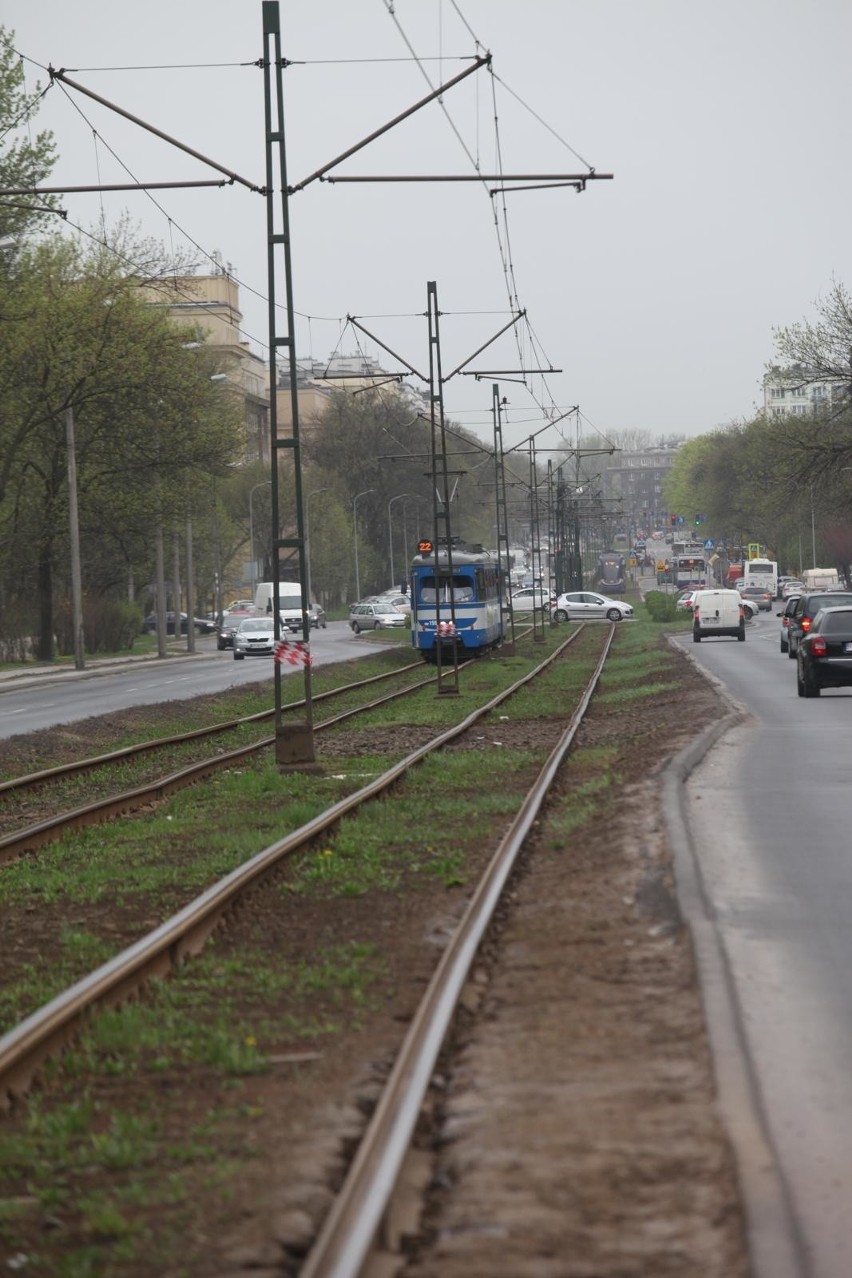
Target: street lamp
{"points": [[399, 497], [252, 575], [315, 493], [355, 501]]}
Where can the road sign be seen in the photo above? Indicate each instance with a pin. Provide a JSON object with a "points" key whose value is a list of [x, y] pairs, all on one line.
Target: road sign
{"points": [[709, 544]]}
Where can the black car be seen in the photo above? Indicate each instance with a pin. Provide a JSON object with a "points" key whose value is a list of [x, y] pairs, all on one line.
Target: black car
{"points": [[202, 625], [807, 607], [230, 622], [317, 617], [824, 658]]}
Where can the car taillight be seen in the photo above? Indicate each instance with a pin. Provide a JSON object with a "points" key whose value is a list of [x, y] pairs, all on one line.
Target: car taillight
{"points": [[742, 612], [806, 623], [818, 646]]}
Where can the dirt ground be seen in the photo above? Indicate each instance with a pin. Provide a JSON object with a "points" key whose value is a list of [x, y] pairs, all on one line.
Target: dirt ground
{"points": [[574, 1124]]}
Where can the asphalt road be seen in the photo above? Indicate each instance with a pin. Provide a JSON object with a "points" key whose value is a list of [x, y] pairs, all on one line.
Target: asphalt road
{"points": [[770, 812], [30, 703]]}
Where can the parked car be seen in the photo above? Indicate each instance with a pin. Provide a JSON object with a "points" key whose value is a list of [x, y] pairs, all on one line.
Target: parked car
{"points": [[684, 601], [400, 601], [824, 656], [533, 599], [807, 606], [582, 605], [375, 616], [203, 625], [750, 608], [785, 614], [762, 597], [254, 636]]}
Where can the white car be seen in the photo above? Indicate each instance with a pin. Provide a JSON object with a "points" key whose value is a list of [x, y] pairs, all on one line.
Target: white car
{"points": [[254, 636], [581, 605], [533, 598]]}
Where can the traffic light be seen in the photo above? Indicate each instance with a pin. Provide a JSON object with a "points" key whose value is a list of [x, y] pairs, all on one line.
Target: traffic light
{"points": [[697, 520]]}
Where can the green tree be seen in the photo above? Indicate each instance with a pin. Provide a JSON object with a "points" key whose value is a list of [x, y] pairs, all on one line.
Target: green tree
{"points": [[25, 161], [821, 350], [149, 423]]}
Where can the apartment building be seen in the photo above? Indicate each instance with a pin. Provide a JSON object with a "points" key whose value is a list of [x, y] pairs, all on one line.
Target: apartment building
{"points": [[209, 307], [636, 478], [793, 393], [317, 380]]}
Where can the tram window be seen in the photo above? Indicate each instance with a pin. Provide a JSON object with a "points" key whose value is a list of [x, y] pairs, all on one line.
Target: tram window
{"points": [[462, 589]]}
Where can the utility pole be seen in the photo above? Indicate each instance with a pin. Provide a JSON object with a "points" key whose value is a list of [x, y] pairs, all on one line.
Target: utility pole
{"points": [[441, 523], [504, 567], [294, 741]]}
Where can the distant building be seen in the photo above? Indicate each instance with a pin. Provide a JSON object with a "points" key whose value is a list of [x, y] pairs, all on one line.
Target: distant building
{"points": [[209, 307], [794, 393], [636, 477], [317, 380]]}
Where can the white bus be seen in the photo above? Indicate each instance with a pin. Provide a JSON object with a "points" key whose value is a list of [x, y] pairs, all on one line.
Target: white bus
{"points": [[762, 572]]}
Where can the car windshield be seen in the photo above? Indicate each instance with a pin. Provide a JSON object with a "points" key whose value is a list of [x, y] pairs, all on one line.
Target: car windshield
{"points": [[290, 602], [259, 623], [384, 608]]}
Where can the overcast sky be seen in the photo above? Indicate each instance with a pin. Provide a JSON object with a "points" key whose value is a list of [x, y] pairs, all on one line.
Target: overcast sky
{"points": [[726, 126]]}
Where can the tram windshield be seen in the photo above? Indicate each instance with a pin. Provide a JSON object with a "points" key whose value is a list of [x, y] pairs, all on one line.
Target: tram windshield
{"points": [[461, 589]]}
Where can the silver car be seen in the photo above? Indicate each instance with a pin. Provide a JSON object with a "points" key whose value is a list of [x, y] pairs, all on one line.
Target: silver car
{"points": [[583, 605], [255, 636], [375, 616]]}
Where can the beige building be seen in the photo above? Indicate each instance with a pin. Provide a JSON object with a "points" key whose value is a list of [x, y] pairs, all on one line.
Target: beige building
{"points": [[209, 307], [316, 380]]}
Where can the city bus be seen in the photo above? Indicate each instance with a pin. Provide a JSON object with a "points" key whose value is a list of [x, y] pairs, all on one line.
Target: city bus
{"points": [[690, 572], [763, 573]]}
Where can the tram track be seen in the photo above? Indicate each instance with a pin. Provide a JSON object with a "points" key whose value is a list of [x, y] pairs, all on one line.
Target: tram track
{"points": [[350, 1236], [50, 828], [25, 1047], [206, 1124]]}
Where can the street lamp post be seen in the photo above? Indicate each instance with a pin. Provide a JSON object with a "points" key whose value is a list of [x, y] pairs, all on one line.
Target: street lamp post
{"points": [[399, 497], [315, 493], [252, 575], [355, 501]]}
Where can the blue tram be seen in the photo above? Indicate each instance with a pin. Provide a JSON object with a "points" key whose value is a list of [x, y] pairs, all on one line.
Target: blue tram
{"points": [[465, 610]]}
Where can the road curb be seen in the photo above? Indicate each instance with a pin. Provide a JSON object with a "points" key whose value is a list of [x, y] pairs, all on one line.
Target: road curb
{"points": [[775, 1244]]}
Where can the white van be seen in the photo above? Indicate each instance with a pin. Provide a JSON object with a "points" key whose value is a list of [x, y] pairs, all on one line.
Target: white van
{"points": [[717, 612], [289, 601]]}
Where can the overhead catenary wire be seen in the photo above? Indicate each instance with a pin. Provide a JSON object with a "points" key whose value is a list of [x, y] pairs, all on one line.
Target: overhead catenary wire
{"points": [[501, 219]]}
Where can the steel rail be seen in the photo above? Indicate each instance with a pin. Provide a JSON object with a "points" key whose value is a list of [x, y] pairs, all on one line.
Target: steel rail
{"points": [[25, 1047], [35, 836], [229, 725], [346, 1239]]}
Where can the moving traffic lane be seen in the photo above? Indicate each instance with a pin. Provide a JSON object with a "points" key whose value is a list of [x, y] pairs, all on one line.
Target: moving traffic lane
{"points": [[768, 813]]}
